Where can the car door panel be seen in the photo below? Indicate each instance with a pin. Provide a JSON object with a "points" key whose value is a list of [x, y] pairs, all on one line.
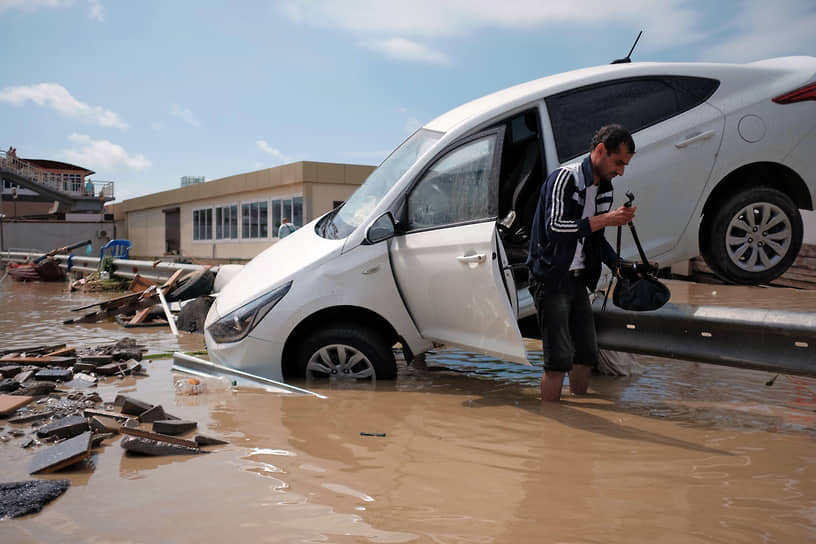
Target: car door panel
{"points": [[452, 282], [448, 262]]}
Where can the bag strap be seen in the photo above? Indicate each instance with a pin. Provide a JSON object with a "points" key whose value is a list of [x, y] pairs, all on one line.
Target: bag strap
{"points": [[612, 279], [637, 243]]}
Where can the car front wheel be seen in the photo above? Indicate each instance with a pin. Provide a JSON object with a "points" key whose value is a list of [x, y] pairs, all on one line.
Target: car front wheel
{"points": [[341, 353], [754, 236]]}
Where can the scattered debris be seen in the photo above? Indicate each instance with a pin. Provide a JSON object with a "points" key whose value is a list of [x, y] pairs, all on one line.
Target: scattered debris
{"points": [[28, 418], [37, 389], [103, 424], [202, 440], [373, 434], [134, 407], [62, 455], [65, 420], [10, 403], [158, 437], [55, 374], [147, 446], [156, 413], [66, 427], [193, 314], [23, 498], [173, 426]]}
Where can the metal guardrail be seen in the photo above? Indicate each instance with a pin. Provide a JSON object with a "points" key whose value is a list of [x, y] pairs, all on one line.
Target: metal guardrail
{"points": [[153, 270], [774, 340]]}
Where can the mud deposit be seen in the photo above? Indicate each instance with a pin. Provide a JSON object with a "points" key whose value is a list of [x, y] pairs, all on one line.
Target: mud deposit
{"points": [[682, 452]]}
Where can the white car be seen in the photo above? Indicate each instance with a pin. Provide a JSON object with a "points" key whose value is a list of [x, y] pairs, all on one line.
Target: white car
{"points": [[431, 247]]}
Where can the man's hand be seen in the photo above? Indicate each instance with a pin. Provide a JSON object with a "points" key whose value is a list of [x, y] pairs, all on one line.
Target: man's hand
{"points": [[615, 218]]}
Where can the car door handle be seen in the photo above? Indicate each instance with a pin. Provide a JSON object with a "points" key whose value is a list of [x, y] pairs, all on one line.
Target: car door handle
{"points": [[694, 139], [477, 258]]}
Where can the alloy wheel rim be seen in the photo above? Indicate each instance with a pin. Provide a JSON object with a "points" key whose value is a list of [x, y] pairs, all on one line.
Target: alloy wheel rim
{"points": [[758, 237], [339, 362]]}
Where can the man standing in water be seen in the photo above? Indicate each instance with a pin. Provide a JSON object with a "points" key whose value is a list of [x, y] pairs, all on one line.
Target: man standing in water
{"points": [[567, 246]]}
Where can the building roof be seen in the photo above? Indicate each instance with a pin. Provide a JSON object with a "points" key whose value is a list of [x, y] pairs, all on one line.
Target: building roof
{"points": [[57, 165], [279, 176]]}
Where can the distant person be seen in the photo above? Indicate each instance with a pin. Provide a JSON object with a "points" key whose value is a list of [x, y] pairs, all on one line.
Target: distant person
{"points": [[286, 228], [89, 188]]}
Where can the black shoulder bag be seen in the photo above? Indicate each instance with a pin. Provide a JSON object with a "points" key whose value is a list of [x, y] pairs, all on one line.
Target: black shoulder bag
{"points": [[637, 287]]}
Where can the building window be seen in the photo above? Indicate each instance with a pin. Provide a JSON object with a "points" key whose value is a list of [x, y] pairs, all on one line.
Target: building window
{"points": [[226, 222], [291, 208], [254, 220], [202, 224]]}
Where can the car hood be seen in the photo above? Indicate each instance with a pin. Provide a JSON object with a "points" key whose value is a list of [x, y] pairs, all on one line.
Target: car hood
{"points": [[283, 261]]}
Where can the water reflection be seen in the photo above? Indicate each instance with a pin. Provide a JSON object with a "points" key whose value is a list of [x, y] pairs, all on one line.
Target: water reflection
{"points": [[681, 452]]}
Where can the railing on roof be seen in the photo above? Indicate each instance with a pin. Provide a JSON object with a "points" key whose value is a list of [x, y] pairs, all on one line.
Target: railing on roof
{"points": [[56, 182]]}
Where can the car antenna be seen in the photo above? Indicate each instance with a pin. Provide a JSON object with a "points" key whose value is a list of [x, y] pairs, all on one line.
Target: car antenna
{"points": [[627, 58]]}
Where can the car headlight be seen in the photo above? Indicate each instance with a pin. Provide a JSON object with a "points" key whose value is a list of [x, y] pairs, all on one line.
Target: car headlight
{"points": [[236, 325]]}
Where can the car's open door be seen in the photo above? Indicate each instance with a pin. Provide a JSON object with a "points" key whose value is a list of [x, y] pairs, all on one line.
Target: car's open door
{"points": [[447, 260]]}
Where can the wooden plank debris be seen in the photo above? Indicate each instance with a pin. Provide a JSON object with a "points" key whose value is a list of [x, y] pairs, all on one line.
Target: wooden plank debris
{"points": [[41, 361], [10, 403], [61, 455], [89, 412], [61, 352]]}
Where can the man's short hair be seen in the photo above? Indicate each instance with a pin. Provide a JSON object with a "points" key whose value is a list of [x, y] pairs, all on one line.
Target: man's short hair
{"points": [[612, 136]]}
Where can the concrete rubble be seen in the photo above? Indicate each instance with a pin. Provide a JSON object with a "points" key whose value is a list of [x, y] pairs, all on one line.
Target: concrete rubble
{"points": [[23, 498], [47, 403]]}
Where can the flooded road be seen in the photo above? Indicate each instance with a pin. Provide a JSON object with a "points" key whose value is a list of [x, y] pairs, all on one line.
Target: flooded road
{"points": [[681, 452]]}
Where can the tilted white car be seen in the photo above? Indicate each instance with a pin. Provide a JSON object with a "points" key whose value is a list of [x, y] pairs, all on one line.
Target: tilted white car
{"points": [[431, 247]]}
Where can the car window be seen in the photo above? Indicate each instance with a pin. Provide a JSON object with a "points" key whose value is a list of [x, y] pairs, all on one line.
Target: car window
{"points": [[359, 206], [634, 103], [456, 188]]}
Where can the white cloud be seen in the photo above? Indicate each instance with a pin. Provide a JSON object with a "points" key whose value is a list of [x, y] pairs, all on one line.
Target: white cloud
{"points": [[766, 29], [101, 155], [96, 11], [276, 153], [57, 97], [32, 5], [668, 22], [402, 49], [185, 115]]}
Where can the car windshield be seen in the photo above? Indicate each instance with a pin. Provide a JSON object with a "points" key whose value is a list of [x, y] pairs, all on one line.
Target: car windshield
{"points": [[359, 206]]}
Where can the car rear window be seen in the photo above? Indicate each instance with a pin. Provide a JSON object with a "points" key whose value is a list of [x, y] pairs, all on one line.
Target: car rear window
{"points": [[636, 103]]}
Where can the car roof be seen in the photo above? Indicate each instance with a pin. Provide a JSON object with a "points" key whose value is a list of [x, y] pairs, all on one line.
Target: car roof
{"points": [[485, 108]]}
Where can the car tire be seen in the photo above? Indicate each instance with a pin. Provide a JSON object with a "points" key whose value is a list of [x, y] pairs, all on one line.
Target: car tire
{"points": [[192, 285], [346, 353], [753, 236]]}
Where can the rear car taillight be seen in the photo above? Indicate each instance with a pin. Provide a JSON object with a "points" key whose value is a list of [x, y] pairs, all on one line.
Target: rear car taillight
{"points": [[808, 92]]}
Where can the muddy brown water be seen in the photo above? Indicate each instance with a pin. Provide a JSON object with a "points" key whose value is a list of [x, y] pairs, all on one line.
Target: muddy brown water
{"points": [[682, 452]]}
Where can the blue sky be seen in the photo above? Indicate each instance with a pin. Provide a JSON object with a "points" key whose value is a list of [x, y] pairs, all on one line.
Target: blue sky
{"points": [[146, 92]]}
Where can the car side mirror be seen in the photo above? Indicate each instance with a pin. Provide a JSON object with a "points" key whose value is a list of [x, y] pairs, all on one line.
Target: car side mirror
{"points": [[381, 229]]}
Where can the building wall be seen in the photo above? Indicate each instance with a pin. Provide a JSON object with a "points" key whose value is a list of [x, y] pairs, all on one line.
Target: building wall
{"points": [[319, 184], [29, 234], [145, 230]]}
